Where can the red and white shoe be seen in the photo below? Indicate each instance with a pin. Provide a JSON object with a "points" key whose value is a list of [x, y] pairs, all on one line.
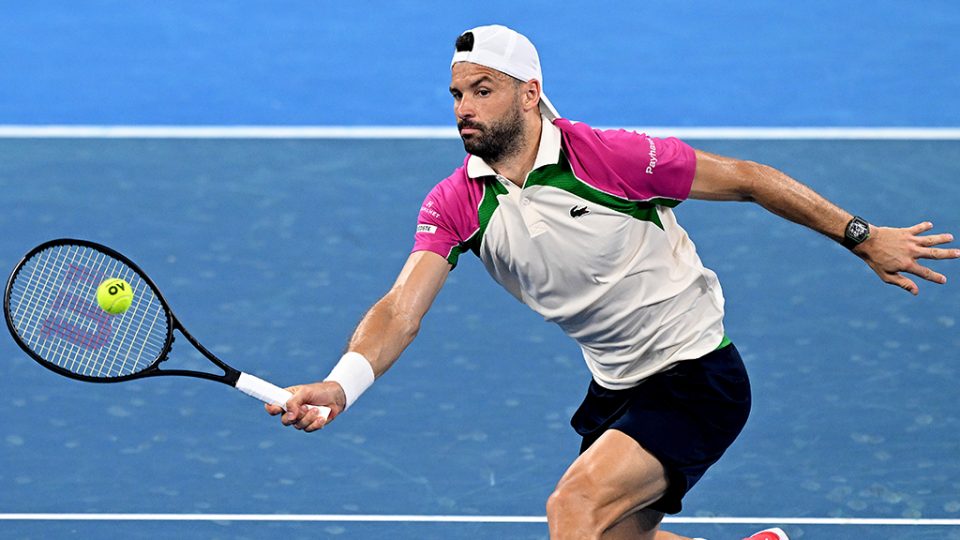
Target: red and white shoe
{"points": [[769, 534]]}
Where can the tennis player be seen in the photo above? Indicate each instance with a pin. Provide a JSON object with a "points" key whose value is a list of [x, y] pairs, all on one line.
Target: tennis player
{"points": [[577, 224]]}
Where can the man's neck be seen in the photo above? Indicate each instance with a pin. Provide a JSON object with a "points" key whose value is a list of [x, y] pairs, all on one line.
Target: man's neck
{"points": [[516, 166]]}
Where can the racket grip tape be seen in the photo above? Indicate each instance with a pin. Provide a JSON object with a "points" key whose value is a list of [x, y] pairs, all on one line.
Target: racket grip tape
{"points": [[270, 393]]}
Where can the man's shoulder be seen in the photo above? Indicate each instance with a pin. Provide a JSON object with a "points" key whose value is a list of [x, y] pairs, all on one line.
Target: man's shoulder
{"points": [[457, 187], [582, 136], [572, 128], [452, 204], [625, 162], [458, 179], [595, 149]]}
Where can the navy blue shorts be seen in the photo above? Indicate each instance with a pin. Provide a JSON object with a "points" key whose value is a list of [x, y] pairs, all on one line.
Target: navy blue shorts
{"points": [[686, 417]]}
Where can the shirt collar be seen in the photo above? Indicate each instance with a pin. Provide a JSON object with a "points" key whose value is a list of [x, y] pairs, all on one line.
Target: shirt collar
{"points": [[547, 154]]}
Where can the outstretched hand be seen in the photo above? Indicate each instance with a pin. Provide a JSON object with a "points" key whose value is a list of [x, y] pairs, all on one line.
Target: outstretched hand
{"points": [[890, 251], [308, 419]]}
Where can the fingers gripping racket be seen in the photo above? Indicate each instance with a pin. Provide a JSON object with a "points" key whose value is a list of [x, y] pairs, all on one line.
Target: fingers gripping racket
{"points": [[51, 309]]}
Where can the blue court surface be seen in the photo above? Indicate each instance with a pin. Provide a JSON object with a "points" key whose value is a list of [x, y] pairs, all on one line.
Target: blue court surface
{"points": [[270, 251]]}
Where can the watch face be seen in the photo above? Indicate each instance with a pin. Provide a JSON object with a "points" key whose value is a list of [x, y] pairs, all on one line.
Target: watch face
{"points": [[858, 230]]}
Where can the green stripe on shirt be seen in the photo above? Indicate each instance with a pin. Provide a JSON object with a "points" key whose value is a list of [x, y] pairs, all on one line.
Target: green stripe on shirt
{"points": [[561, 176]]}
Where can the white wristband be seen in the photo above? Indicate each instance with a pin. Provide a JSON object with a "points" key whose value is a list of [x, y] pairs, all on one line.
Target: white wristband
{"points": [[354, 374]]}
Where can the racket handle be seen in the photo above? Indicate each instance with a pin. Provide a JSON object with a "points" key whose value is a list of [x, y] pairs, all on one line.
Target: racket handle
{"points": [[271, 393]]}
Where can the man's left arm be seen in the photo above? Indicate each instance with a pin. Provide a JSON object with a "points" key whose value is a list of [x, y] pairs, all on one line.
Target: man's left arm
{"points": [[888, 251]]}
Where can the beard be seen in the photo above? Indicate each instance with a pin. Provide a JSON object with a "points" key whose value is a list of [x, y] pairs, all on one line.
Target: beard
{"points": [[495, 141]]}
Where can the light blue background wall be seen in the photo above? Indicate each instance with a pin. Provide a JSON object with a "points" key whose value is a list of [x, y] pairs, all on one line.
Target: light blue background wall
{"points": [[698, 63]]}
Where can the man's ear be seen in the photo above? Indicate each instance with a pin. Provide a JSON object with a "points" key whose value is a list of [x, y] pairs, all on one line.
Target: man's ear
{"points": [[531, 95]]}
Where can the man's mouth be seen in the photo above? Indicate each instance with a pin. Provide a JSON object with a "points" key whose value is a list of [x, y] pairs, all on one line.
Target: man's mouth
{"points": [[469, 129]]}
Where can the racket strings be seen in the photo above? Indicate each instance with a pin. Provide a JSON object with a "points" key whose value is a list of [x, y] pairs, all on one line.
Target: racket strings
{"points": [[82, 332], [54, 311]]}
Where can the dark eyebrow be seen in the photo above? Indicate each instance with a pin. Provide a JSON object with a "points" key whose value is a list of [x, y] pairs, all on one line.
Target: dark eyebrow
{"points": [[476, 83]]}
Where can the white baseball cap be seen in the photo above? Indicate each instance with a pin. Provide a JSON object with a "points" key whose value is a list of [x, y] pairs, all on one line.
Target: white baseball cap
{"points": [[506, 50]]}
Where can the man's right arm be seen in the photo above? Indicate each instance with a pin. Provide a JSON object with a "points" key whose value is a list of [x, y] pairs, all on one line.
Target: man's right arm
{"points": [[393, 322], [383, 333]]}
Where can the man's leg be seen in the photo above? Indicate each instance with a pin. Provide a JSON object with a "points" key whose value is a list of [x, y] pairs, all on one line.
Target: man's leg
{"points": [[604, 492], [638, 524]]}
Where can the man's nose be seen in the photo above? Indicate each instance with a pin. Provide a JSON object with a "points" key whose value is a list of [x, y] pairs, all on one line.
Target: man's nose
{"points": [[464, 108]]}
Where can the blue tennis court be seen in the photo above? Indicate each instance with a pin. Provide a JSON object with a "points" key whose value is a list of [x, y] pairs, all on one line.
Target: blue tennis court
{"points": [[270, 250]]}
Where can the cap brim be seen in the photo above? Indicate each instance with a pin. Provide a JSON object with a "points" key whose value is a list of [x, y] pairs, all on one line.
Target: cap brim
{"points": [[547, 108]]}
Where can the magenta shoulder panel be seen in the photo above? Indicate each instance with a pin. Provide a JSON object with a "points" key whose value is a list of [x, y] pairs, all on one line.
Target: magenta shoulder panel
{"points": [[448, 215], [629, 164]]}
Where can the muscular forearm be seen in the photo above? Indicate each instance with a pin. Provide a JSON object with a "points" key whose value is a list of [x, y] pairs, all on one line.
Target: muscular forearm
{"points": [[792, 200], [720, 178], [888, 251], [383, 333], [391, 324]]}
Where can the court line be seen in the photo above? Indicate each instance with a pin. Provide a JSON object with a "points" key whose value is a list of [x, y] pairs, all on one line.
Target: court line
{"points": [[460, 519], [430, 132]]}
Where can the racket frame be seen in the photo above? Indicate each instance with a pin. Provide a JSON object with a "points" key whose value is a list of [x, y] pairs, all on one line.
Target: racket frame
{"points": [[230, 374]]}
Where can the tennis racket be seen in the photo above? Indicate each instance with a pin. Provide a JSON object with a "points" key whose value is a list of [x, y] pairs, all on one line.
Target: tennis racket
{"points": [[51, 309]]}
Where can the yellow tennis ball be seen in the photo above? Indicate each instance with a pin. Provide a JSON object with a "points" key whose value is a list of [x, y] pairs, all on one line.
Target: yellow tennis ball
{"points": [[115, 296]]}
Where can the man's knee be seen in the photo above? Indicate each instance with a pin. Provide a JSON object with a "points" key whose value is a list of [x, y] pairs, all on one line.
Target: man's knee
{"points": [[575, 511], [601, 488], [575, 505], [583, 502]]}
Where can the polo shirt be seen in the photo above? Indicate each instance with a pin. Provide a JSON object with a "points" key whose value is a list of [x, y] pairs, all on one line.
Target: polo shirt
{"points": [[591, 243]]}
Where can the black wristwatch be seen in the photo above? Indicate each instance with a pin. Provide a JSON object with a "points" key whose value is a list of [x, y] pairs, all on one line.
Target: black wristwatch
{"points": [[857, 231]]}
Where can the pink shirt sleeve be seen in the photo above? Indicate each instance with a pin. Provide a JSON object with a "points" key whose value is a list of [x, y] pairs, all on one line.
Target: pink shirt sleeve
{"points": [[630, 164], [448, 217]]}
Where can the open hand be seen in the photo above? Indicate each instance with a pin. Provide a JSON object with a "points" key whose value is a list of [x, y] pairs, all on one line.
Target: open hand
{"points": [[890, 251]]}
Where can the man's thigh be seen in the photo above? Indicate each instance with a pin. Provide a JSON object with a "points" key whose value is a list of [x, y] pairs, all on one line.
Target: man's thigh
{"points": [[617, 477]]}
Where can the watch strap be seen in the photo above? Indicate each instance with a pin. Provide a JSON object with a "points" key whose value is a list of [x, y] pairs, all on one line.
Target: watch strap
{"points": [[856, 232]]}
